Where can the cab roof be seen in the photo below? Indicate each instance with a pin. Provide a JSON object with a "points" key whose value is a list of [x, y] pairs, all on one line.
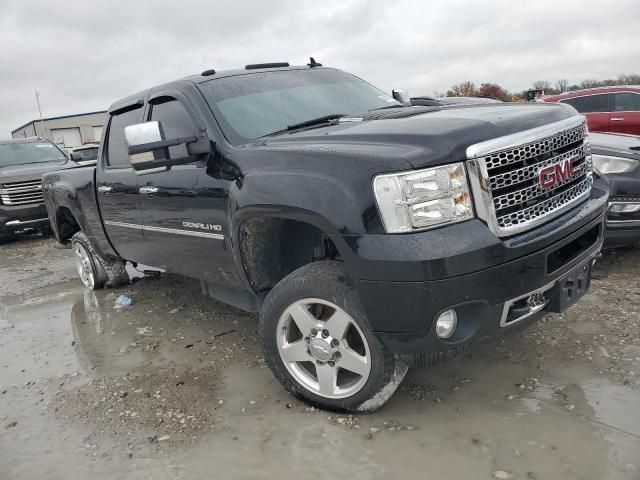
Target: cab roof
{"points": [[138, 99], [592, 91]]}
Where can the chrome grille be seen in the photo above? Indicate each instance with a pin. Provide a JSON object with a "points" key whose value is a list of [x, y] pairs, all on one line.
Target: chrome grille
{"points": [[21, 193], [525, 152], [505, 175], [546, 207], [530, 172], [535, 190]]}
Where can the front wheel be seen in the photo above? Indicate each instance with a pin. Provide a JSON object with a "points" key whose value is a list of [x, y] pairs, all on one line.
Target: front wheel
{"points": [[319, 345]]}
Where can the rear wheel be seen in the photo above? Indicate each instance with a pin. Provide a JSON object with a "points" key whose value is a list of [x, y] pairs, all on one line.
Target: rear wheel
{"points": [[319, 345], [94, 271], [6, 237]]}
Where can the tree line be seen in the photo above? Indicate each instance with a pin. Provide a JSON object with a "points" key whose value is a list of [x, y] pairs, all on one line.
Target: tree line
{"points": [[493, 90]]}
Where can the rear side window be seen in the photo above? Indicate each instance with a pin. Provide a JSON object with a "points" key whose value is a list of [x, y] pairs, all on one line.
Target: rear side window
{"points": [[590, 104], [117, 155], [176, 123], [626, 102]]}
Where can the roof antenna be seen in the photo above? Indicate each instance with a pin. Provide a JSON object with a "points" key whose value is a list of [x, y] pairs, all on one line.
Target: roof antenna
{"points": [[312, 63]]}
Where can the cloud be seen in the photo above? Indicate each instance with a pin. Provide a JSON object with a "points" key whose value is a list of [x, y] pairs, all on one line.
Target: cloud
{"points": [[81, 56]]}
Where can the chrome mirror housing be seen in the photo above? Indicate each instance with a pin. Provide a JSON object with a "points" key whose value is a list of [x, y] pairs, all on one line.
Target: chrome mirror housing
{"points": [[141, 133], [144, 145], [401, 96]]}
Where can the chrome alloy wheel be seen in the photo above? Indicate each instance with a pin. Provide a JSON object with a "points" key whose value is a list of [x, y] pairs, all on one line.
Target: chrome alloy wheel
{"points": [[323, 348], [84, 265]]}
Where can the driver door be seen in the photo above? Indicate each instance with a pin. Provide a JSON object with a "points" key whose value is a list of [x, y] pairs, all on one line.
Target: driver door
{"points": [[183, 209], [625, 115]]}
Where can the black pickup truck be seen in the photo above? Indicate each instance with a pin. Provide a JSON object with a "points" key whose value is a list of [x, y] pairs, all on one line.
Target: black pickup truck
{"points": [[370, 235]]}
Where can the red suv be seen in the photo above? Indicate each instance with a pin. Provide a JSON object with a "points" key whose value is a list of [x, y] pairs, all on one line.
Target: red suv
{"points": [[608, 109]]}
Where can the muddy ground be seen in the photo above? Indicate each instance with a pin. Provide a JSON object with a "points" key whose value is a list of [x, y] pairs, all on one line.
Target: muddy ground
{"points": [[174, 387]]}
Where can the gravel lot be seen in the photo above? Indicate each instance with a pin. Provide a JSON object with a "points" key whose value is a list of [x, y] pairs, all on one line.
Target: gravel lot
{"points": [[175, 387]]}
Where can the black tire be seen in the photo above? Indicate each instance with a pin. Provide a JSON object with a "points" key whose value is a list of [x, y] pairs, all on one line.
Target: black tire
{"points": [[6, 237], [328, 280], [107, 272]]}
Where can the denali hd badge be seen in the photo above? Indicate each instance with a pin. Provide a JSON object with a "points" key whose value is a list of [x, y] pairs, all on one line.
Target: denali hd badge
{"points": [[557, 173], [202, 226]]}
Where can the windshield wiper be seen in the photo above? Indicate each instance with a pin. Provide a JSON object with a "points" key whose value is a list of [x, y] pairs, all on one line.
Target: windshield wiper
{"points": [[307, 123], [388, 106], [316, 121]]}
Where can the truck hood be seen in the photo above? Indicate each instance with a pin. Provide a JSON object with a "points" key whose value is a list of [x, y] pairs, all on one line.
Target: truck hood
{"points": [[31, 171], [432, 138]]}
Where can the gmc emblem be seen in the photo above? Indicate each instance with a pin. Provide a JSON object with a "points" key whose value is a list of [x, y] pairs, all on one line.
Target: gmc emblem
{"points": [[557, 173]]}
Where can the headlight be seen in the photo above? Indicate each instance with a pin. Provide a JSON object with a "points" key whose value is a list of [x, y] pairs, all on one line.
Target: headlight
{"points": [[621, 207], [423, 199], [608, 164]]}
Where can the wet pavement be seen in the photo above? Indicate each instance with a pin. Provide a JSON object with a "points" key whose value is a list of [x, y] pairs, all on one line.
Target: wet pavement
{"points": [[175, 387]]}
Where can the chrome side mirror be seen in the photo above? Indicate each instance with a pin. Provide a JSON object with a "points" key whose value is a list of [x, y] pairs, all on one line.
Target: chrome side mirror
{"points": [[141, 133], [143, 141], [149, 151], [147, 154], [401, 96]]}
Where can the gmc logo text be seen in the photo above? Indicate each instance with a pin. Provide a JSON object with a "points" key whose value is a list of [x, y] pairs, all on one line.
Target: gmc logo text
{"points": [[558, 173]]}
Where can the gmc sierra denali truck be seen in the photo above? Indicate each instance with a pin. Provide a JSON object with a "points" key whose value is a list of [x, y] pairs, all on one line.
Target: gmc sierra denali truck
{"points": [[22, 163], [369, 235]]}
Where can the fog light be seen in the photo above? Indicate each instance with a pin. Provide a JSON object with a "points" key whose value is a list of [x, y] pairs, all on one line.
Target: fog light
{"points": [[446, 323]]}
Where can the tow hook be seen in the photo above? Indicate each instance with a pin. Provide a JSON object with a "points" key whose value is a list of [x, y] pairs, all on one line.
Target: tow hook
{"points": [[596, 258]]}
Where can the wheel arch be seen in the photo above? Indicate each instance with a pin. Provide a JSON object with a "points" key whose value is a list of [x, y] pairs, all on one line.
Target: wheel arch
{"points": [[66, 224], [273, 242]]}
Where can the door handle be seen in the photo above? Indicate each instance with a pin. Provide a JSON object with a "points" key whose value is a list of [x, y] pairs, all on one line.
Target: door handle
{"points": [[148, 190], [617, 119], [105, 189]]}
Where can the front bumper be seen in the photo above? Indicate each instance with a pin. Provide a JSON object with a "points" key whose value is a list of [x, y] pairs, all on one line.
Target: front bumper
{"points": [[490, 284], [489, 302], [15, 219], [623, 228]]}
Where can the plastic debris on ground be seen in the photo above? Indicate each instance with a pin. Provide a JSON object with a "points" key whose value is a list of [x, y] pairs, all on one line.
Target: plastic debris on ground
{"points": [[123, 301]]}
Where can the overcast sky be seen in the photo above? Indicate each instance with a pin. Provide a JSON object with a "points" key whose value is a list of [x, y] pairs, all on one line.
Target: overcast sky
{"points": [[83, 55]]}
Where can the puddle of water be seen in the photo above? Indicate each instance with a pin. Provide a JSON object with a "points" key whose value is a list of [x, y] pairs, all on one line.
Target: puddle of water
{"points": [[617, 408], [467, 418], [35, 338]]}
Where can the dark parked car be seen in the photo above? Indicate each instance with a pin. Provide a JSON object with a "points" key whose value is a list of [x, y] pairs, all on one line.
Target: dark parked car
{"points": [[608, 109], [618, 157], [22, 163], [369, 235]]}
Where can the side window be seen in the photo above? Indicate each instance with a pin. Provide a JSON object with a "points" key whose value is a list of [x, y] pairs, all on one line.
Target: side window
{"points": [[590, 103], [176, 122], [626, 102], [117, 155], [570, 101]]}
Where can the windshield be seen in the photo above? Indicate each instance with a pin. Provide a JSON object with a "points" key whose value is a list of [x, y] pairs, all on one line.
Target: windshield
{"points": [[254, 105], [22, 153]]}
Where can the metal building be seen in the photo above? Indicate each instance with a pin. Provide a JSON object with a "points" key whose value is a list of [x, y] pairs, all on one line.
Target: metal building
{"points": [[67, 131]]}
